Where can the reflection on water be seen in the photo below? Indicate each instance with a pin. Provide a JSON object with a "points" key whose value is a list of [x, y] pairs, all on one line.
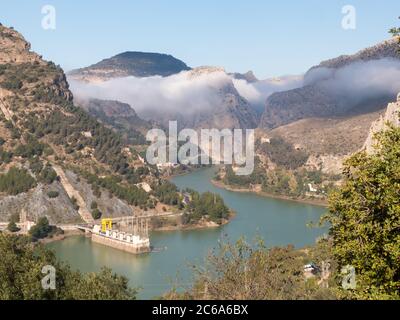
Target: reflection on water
{"points": [[278, 222]]}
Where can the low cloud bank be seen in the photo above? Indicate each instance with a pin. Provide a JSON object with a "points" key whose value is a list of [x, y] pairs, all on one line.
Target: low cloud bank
{"points": [[359, 81], [191, 92], [185, 92], [258, 92]]}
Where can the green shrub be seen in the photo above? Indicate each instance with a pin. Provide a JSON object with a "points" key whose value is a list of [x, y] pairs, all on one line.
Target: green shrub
{"points": [[96, 214], [47, 175], [283, 154], [41, 230], [74, 203], [12, 227], [53, 194], [93, 205]]}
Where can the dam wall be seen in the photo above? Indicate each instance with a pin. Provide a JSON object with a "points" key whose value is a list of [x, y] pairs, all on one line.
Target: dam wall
{"points": [[135, 248]]}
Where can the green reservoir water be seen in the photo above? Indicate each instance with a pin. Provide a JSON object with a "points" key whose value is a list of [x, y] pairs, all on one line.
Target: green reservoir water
{"points": [[279, 222]]}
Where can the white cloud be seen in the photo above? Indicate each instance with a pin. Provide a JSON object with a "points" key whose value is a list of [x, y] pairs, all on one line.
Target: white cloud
{"points": [[186, 92], [258, 92], [360, 80]]}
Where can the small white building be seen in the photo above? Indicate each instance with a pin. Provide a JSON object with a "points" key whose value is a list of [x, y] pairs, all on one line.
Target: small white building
{"points": [[166, 165], [311, 188], [145, 186], [87, 134]]}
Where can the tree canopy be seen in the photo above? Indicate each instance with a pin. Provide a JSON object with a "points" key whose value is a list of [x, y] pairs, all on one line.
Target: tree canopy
{"points": [[21, 276], [365, 218]]}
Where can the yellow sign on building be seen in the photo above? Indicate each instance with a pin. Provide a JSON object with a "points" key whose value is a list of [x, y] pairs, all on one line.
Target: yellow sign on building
{"points": [[106, 224]]}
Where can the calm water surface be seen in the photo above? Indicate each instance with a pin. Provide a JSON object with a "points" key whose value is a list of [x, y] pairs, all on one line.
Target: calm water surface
{"points": [[279, 222]]}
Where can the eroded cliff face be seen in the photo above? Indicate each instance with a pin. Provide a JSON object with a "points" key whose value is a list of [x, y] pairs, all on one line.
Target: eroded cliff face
{"points": [[392, 116], [15, 49]]}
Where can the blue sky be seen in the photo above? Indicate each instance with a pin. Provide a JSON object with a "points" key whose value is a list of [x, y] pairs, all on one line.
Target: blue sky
{"points": [[269, 37]]}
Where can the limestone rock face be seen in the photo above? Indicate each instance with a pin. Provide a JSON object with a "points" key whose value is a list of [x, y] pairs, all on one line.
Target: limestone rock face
{"points": [[392, 115], [15, 49]]}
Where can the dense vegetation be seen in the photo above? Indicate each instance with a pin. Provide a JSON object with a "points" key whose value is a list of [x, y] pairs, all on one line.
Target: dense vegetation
{"points": [[365, 218], [291, 183], [41, 229], [16, 181], [209, 205], [66, 125], [283, 154], [21, 276], [167, 193], [114, 184]]}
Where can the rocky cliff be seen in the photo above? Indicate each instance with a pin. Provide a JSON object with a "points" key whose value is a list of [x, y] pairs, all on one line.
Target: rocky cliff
{"points": [[391, 116]]}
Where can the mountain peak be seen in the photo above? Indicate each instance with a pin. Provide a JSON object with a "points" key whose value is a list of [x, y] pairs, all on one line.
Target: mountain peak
{"points": [[131, 63], [14, 48], [248, 76], [205, 70]]}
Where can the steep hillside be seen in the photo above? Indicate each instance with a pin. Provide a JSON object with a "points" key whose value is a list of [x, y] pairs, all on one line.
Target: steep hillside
{"points": [[45, 138], [119, 116], [325, 93], [391, 116], [337, 136], [137, 64]]}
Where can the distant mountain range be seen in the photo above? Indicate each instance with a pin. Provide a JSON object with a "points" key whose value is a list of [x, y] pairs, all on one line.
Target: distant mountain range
{"points": [[203, 97], [317, 94], [337, 87], [327, 112]]}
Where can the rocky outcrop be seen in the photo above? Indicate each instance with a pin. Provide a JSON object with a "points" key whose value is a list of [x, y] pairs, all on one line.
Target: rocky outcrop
{"points": [[37, 203], [392, 116], [248, 76], [74, 194], [15, 49]]}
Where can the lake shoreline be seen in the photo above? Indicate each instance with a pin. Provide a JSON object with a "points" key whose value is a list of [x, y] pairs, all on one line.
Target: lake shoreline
{"points": [[315, 202], [61, 237], [198, 226]]}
